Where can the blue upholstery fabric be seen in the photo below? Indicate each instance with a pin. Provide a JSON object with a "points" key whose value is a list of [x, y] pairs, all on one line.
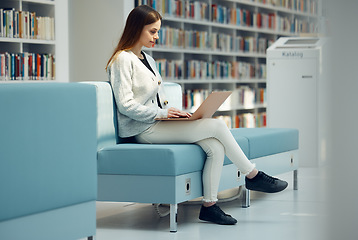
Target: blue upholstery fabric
{"points": [[177, 159], [71, 222], [47, 147], [268, 141], [154, 159], [150, 159], [106, 115]]}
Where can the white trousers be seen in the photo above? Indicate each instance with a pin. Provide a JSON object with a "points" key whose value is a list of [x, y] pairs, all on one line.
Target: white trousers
{"points": [[213, 136]]}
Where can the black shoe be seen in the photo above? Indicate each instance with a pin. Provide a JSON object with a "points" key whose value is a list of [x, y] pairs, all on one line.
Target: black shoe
{"points": [[265, 183], [216, 215]]}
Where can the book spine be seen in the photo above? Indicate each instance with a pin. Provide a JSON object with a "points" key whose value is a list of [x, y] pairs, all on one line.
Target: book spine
{"points": [[38, 67], [13, 66], [2, 67], [2, 22], [15, 24]]}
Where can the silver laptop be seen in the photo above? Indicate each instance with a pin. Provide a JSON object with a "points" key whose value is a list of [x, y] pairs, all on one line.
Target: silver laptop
{"points": [[206, 109]]}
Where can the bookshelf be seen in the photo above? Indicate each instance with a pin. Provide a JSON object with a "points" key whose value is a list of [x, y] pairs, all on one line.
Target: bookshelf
{"points": [[209, 45], [27, 40]]}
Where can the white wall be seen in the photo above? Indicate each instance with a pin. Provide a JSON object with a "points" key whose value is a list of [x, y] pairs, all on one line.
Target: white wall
{"points": [[342, 180], [95, 27], [62, 44]]}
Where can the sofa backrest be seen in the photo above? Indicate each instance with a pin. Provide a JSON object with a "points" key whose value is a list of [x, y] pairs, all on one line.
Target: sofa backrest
{"points": [[106, 115], [107, 132]]}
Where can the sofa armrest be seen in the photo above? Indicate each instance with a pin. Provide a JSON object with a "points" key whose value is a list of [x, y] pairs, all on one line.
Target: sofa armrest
{"points": [[47, 147], [174, 95]]}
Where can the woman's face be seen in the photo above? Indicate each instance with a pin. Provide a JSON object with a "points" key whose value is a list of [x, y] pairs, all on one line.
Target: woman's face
{"points": [[150, 34]]}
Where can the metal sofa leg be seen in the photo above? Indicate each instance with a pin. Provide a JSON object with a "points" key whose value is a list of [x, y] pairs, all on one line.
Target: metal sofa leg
{"points": [[295, 180], [173, 217], [246, 198]]}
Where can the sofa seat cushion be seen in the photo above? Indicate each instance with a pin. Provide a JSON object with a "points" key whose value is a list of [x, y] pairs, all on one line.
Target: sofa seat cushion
{"points": [[178, 159], [150, 159], [267, 141], [154, 159]]}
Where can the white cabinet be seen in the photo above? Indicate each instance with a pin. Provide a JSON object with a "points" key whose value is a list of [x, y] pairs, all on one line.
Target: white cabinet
{"points": [[296, 90]]}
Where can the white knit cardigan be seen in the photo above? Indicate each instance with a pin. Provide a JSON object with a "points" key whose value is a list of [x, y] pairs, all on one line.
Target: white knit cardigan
{"points": [[135, 90]]}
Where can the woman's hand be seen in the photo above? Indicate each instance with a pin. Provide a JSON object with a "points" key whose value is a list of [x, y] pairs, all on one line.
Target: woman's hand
{"points": [[175, 113]]}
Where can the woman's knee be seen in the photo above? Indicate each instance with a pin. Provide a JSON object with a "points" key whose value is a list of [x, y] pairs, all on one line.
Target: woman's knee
{"points": [[215, 124], [212, 147]]}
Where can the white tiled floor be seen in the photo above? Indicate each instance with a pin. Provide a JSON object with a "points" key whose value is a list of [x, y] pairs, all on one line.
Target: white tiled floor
{"points": [[293, 215]]}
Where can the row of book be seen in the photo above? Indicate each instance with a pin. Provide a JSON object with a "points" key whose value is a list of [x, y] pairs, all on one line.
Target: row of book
{"points": [[198, 69], [170, 69], [189, 8], [307, 6], [243, 96], [196, 10], [203, 40], [272, 21], [248, 97], [27, 66], [236, 16], [245, 120], [242, 17], [25, 24]]}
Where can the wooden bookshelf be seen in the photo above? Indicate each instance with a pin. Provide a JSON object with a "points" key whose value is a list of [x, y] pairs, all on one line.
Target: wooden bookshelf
{"points": [[221, 19], [28, 28]]}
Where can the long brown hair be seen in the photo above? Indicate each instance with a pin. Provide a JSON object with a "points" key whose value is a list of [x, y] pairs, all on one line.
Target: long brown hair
{"points": [[136, 20]]}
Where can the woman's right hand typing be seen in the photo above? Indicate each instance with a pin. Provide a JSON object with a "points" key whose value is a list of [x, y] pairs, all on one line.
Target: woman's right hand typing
{"points": [[176, 113]]}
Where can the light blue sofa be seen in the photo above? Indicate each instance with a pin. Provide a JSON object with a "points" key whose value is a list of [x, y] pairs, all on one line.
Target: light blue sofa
{"points": [[48, 165], [171, 173]]}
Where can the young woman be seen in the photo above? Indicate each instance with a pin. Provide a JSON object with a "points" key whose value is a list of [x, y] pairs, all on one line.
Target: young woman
{"points": [[140, 101]]}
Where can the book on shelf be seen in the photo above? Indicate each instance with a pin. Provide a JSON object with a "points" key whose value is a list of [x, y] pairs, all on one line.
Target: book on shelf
{"points": [[203, 40], [244, 120], [310, 6], [205, 70], [27, 66], [25, 24], [240, 16], [193, 98], [170, 69], [171, 37], [197, 10], [182, 8], [243, 96], [227, 119]]}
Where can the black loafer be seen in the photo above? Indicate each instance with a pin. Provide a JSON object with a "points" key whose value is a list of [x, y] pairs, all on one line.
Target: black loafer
{"points": [[265, 183], [216, 215]]}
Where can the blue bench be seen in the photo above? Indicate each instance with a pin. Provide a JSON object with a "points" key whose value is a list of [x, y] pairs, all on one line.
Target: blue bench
{"points": [[172, 173], [48, 180]]}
